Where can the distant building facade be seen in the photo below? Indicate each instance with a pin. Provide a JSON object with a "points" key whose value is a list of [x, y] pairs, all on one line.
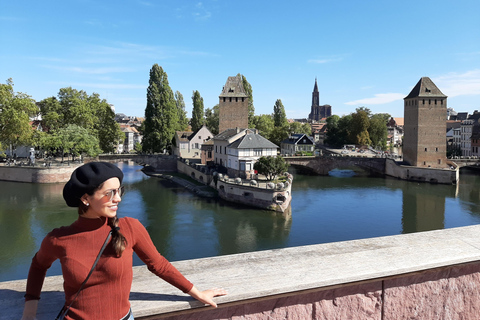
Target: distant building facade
{"points": [[233, 105], [318, 112], [188, 144], [395, 131], [297, 143], [425, 113]]}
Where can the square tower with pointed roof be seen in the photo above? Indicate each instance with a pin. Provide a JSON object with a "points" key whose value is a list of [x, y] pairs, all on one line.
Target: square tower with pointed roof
{"points": [[425, 116], [233, 106]]}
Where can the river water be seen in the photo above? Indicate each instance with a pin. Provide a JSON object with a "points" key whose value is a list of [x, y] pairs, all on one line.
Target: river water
{"points": [[185, 226]]}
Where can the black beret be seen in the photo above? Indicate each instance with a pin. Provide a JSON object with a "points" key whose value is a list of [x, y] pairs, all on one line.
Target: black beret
{"points": [[87, 178]]}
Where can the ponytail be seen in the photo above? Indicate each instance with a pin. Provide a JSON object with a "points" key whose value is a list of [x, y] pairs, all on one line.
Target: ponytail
{"points": [[118, 240]]}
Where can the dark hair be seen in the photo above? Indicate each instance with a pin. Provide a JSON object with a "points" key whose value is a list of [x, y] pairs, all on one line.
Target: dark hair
{"points": [[119, 242]]}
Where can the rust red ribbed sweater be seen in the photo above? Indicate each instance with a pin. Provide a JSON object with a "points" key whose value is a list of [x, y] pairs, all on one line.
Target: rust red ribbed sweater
{"points": [[106, 294]]}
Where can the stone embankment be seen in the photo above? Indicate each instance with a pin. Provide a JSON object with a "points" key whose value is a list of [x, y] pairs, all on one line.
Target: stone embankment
{"points": [[201, 190]]}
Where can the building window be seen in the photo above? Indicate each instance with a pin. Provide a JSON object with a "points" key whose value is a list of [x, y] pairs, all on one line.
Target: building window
{"points": [[257, 152], [209, 154], [436, 149], [425, 149]]}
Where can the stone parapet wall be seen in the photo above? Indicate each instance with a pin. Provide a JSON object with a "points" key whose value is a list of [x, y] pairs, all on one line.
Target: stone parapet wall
{"points": [[192, 172], [59, 174], [422, 276], [433, 175]]}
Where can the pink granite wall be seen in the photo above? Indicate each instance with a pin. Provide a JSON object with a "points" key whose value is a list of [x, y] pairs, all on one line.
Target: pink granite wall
{"points": [[447, 293], [444, 293], [358, 302]]}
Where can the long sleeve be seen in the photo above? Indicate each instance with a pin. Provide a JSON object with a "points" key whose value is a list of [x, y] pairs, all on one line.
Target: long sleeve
{"points": [[156, 263], [42, 260]]}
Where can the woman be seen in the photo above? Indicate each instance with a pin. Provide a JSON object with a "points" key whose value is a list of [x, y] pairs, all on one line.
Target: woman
{"points": [[95, 188]]}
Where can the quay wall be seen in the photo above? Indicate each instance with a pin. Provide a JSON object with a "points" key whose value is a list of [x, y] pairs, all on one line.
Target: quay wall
{"points": [[273, 199], [192, 172], [420, 174], [422, 276], [59, 174]]}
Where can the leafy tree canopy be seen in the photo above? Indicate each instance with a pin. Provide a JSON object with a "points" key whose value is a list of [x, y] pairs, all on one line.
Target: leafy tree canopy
{"points": [[271, 167], [182, 113], [251, 109], [265, 125], [161, 115], [212, 119], [279, 115], [16, 108], [198, 114]]}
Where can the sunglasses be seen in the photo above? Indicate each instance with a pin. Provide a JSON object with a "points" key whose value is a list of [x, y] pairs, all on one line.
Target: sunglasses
{"points": [[111, 194]]}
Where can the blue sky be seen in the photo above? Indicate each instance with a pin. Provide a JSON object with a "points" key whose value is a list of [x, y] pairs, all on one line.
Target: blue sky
{"points": [[363, 53]]}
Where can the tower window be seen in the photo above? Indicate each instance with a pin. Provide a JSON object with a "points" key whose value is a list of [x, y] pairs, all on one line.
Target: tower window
{"points": [[425, 149]]}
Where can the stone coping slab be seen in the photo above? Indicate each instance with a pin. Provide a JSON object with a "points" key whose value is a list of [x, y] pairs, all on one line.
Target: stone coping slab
{"points": [[275, 272]]}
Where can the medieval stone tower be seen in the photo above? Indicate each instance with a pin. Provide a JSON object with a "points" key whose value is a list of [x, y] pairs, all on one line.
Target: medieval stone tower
{"points": [[318, 112], [425, 113], [233, 106]]}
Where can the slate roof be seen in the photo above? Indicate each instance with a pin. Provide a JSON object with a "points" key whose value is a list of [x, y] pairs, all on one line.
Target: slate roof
{"points": [[252, 140], [227, 134], [184, 136], [296, 137], [425, 88], [233, 88]]}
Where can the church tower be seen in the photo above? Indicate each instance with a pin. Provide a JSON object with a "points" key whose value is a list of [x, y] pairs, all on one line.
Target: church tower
{"points": [[233, 106], [317, 111], [425, 113]]}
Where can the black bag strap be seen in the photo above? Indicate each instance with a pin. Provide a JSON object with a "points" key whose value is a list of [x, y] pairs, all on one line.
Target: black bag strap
{"points": [[64, 310]]}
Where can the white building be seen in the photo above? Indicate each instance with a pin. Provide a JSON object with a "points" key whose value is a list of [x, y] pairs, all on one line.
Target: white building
{"points": [[238, 149]]}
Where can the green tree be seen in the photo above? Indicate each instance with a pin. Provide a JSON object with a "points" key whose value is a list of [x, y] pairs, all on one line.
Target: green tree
{"points": [[271, 167], [16, 108], [278, 134], [264, 124], [74, 107], [182, 114], [198, 114], [77, 141], [105, 128], [378, 131], [161, 115], [251, 109], [212, 119], [359, 127], [279, 115], [52, 114], [297, 127]]}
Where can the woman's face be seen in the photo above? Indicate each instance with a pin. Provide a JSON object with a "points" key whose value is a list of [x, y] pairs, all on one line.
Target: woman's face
{"points": [[100, 204]]}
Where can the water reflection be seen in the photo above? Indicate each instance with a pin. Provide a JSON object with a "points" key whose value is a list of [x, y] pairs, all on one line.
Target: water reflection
{"points": [[185, 226]]}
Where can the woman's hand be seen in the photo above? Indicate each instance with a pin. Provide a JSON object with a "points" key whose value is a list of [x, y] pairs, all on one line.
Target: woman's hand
{"points": [[206, 297]]}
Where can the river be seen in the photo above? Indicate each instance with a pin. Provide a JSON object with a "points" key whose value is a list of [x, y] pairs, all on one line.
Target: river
{"points": [[185, 226]]}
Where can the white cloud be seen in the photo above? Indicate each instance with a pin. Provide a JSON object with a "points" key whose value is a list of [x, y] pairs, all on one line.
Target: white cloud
{"points": [[379, 98], [104, 70], [322, 61], [102, 85], [459, 84]]}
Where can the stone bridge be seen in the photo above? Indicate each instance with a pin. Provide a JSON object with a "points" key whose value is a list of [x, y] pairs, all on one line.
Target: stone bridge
{"points": [[472, 162], [324, 164]]}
